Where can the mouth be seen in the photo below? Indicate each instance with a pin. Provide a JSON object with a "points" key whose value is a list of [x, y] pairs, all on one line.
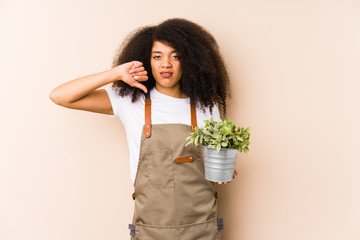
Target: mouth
{"points": [[166, 74]]}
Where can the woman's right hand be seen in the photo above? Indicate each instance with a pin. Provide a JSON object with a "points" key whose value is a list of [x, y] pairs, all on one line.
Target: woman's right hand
{"points": [[132, 73], [83, 93]]}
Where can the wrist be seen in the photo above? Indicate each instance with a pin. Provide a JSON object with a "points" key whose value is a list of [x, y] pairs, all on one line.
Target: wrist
{"points": [[115, 74]]}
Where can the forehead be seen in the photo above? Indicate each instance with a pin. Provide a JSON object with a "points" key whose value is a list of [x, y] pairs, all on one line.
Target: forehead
{"points": [[162, 47]]}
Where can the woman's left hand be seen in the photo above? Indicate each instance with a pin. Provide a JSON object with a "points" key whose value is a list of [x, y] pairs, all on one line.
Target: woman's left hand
{"points": [[235, 174]]}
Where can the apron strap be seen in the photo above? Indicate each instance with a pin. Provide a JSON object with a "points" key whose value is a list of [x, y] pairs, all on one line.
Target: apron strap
{"points": [[147, 115], [193, 116], [147, 128]]}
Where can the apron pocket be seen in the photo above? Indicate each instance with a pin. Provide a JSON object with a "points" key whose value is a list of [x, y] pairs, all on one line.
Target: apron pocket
{"points": [[207, 230], [148, 232], [159, 168]]}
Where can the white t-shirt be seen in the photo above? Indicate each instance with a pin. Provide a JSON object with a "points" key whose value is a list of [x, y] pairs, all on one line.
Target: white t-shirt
{"points": [[164, 109]]}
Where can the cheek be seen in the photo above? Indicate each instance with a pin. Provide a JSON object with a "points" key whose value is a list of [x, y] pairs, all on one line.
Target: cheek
{"points": [[179, 68], [152, 64]]}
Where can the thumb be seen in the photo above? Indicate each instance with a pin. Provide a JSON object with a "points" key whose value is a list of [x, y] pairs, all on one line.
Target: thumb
{"points": [[140, 86]]}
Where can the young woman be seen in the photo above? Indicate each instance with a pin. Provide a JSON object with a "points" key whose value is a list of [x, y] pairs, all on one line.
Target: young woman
{"points": [[166, 79]]}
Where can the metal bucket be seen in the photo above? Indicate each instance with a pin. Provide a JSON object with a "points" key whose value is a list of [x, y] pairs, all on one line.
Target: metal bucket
{"points": [[219, 165]]}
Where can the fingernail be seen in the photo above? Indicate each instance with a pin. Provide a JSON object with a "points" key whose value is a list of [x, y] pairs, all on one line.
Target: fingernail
{"points": [[131, 71]]}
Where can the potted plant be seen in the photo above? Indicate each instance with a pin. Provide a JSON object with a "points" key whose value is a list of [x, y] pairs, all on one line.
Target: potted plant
{"points": [[221, 141]]}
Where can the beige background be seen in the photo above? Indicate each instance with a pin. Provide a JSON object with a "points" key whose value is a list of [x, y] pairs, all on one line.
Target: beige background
{"points": [[294, 66]]}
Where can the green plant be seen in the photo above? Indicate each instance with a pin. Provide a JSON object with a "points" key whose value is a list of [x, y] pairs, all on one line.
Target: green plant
{"points": [[222, 134]]}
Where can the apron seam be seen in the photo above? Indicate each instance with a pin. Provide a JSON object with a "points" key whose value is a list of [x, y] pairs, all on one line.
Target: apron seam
{"points": [[179, 226]]}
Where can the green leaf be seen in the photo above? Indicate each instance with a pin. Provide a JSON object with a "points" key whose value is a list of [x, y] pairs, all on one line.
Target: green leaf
{"points": [[239, 138], [197, 140], [218, 147], [246, 151], [207, 132]]}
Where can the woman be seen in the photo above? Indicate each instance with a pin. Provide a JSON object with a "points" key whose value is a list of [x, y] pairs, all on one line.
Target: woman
{"points": [[166, 79]]}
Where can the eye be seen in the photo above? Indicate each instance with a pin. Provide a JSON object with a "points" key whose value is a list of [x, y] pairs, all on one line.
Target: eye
{"points": [[156, 57], [175, 56]]}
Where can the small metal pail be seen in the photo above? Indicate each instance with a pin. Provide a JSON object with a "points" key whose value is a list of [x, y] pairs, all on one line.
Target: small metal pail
{"points": [[219, 165]]}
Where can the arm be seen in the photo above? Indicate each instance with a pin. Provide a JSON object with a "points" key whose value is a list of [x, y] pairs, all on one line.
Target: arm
{"points": [[82, 93]]}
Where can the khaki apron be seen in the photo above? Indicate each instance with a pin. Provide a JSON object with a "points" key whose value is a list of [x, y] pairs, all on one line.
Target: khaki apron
{"points": [[173, 200]]}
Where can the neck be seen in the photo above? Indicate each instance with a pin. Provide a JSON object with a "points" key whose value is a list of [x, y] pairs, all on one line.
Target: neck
{"points": [[172, 92]]}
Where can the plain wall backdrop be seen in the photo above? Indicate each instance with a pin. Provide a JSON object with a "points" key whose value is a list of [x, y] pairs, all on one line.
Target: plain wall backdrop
{"points": [[294, 68]]}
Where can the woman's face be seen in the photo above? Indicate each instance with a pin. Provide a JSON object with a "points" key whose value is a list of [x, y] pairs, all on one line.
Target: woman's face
{"points": [[166, 68]]}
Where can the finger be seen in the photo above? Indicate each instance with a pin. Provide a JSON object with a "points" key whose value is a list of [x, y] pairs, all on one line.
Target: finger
{"points": [[140, 86], [220, 183], [136, 64], [141, 78], [143, 73], [138, 69]]}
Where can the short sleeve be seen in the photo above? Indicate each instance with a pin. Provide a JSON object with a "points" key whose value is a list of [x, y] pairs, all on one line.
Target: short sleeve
{"points": [[115, 100]]}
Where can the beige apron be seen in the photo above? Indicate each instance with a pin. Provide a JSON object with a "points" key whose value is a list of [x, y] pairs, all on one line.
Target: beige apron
{"points": [[173, 200]]}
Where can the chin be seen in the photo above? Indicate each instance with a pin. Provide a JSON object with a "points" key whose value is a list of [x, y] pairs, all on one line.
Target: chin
{"points": [[167, 83]]}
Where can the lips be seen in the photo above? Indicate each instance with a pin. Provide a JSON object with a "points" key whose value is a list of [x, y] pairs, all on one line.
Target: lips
{"points": [[166, 74]]}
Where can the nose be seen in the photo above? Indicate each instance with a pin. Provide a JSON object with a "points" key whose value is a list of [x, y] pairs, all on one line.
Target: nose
{"points": [[166, 63]]}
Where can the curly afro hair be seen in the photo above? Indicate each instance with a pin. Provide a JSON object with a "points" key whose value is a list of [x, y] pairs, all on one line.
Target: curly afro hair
{"points": [[204, 76]]}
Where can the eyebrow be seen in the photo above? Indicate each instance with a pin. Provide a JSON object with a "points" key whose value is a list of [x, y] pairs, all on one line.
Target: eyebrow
{"points": [[161, 52]]}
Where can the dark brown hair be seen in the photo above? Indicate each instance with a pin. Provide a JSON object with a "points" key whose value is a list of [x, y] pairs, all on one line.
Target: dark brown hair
{"points": [[204, 77]]}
